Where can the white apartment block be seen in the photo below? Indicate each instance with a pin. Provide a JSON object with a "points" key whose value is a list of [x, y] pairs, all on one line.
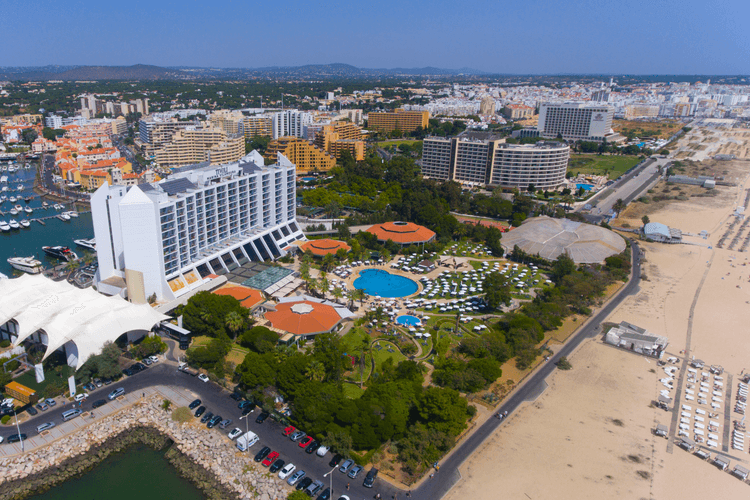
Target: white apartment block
{"points": [[290, 123], [492, 162], [169, 237], [575, 121], [53, 121]]}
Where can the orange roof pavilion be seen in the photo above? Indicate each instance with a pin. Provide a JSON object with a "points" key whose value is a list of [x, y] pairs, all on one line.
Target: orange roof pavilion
{"points": [[320, 248], [248, 297], [304, 317], [403, 233]]}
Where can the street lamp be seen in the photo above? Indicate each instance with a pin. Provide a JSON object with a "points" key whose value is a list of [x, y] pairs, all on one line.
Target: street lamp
{"points": [[18, 428], [330, 482]]}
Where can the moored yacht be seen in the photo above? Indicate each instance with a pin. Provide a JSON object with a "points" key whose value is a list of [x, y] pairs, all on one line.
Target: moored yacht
{"points": [[60, 252], [25, 223], [14, 224], [26, 264]]}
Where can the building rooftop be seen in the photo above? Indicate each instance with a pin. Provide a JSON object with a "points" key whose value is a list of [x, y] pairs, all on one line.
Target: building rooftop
{"points": [[306, 316], [323, 247], [403, 233]]}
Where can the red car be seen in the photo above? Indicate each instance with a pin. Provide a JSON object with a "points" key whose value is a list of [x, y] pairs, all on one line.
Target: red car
{"points": [[305, 442], [271, 458], [289, 430]]}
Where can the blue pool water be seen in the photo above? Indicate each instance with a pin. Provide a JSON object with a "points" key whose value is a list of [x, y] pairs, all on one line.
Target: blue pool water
{"points": [[308, 179], [384, 284], [586, 187], [408, 320]]}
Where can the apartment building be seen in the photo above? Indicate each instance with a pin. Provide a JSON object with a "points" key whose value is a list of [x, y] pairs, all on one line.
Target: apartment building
{"points": [[490, 161], [304, 155], [194, 145], [405, 121], [487, 106], [170, 237], [634, 111], [155, 132], [231, 122], [576, 121], [53, 121], [518, 111], [257, 126], [290, 123], [338, 137]]}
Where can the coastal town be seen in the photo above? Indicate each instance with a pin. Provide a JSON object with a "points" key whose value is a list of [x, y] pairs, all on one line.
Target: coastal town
{"points": [[223, 277]]}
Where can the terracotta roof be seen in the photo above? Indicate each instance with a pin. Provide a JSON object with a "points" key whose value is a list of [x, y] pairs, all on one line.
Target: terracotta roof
{"points": [[324, 246], [303, 317], [404, 233], [248, 297]]}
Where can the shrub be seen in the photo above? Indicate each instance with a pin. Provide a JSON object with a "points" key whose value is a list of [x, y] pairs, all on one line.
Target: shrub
{"points": [[564, 364], [166, 404], [4, 343], [5, 419], [182, 414]]}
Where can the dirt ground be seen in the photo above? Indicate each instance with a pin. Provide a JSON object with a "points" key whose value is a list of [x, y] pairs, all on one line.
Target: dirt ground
{"points": [[663, 129]]}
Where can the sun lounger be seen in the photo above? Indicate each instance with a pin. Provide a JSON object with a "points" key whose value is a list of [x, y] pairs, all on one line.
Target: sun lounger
{"points": [[714, 405], [689, 398], [718, 400], [688, 391], [700, 411], [699, 419], [685, 414], [715, 437], [699, 426], [698, 432], [715, 423], [684, 427], [692, 370], [712, 444], [683, 433], [685, 420], [702, 395], [686, 407]]}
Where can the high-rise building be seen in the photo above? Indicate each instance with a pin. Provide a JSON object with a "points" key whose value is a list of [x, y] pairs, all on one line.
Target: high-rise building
{"points": [[633, 111], [576, 121], [155, 133], [290, 123], [257, 126], [490, 161], [53, 121], [165, 239], [339, 137], [194, 145], [304, 155], [518, 111], [231, 122], [405, 121], [487, 106]]}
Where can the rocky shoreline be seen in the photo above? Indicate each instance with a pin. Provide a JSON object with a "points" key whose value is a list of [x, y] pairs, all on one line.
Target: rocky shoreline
{"points": [[205, 458]]}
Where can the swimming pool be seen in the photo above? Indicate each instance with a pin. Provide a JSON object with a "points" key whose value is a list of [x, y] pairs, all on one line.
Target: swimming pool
{"points": [[384, 284], [585, 187], [408, 320], [308, 179]]}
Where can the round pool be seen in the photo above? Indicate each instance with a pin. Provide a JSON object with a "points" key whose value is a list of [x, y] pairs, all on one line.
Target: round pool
{"points": [[408, 320], [384, 284]]}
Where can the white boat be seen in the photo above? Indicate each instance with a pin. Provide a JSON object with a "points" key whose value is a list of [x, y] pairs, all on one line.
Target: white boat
{"points": [[5, 188], [58, 206], [3, 179], [18, 207], [26, 264], [72, 213], [25, 223], [63, 216], [14, 224], [4, 227], [27, 166], [12, 199], [89, 243], [45, 204], [13, 211], [19, 187], [28, 210], [11, 169]]}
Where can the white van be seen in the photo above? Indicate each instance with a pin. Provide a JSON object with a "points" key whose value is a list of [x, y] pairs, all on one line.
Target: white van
{"points": [[247, 440], [70, 414]]}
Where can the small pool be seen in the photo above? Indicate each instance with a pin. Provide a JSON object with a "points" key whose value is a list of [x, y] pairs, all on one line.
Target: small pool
{"points": [[585, 187], [384, 284], [408, 320], [308, 179]]}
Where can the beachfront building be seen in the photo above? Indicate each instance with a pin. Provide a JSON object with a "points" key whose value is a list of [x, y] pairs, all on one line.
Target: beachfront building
{"points": [[576, 121], [63, 317], [486, 159], [154, 132], [165, 239], [404, 121], [636, 339], [656, 231], [402, 233], [197, 144], [305, 316]]}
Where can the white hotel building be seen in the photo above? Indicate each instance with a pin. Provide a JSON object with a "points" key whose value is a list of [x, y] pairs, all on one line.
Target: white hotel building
{"points": [[167, 238], [576, 121]]}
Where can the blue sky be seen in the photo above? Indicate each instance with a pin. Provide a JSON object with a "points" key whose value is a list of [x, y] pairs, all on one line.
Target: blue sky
{"points": [[520, 36]]}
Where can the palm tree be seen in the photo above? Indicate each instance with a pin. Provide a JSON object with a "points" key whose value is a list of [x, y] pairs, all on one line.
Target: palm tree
{"points": [[338, 293], [234, 322], [315, 371], [72, 265], [359, 294], [365, 347]]}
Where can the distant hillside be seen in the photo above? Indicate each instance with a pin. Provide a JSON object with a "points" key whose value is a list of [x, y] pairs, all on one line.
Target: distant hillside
{"points": [[136, 72]]}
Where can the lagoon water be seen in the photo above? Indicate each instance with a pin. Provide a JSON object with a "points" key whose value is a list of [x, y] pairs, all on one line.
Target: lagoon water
{"points": [[29, 242], [139, 473]]}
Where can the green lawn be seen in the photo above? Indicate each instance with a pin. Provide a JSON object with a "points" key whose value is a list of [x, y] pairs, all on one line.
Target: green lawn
{"points": [[383, 354], [592, 164], [382, 144], [352, 391]]}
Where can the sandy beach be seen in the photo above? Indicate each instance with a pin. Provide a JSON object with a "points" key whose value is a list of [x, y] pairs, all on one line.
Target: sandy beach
{"points": [[570, 444]]}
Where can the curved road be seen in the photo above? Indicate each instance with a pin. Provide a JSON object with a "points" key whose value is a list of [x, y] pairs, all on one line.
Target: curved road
{"points": [[217, 400]]}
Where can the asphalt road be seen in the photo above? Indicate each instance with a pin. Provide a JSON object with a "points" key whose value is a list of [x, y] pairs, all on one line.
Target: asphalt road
{"points": [[48, 168], [448, 475], [217, 400]]}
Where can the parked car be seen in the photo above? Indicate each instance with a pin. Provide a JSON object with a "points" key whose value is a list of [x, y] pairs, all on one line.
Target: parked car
{"points": [[278, 464], [322, 452], [294, 478], [286, 471], [200, 411], [236, 396], [107, 381], [247, 410], [31, 411], [116, 393], [81, 396], [213, 421], [225, 423], [89, 387], [297, 435], [263, 453], [154, 359], [325, 495], [314, 488], [270, 458], [206, 417], [262, 417], [345, 466], [15, 438], [98, 382], [146, 361], [335, 460], [312, 447], [306, 441], [234, 433], [42, 406], [370, 477], [306, 481], [354, 471], [195, 404], [288, 430], [98, 403], [243, 404], [51, 402], [45, 426], [203, 377]]}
